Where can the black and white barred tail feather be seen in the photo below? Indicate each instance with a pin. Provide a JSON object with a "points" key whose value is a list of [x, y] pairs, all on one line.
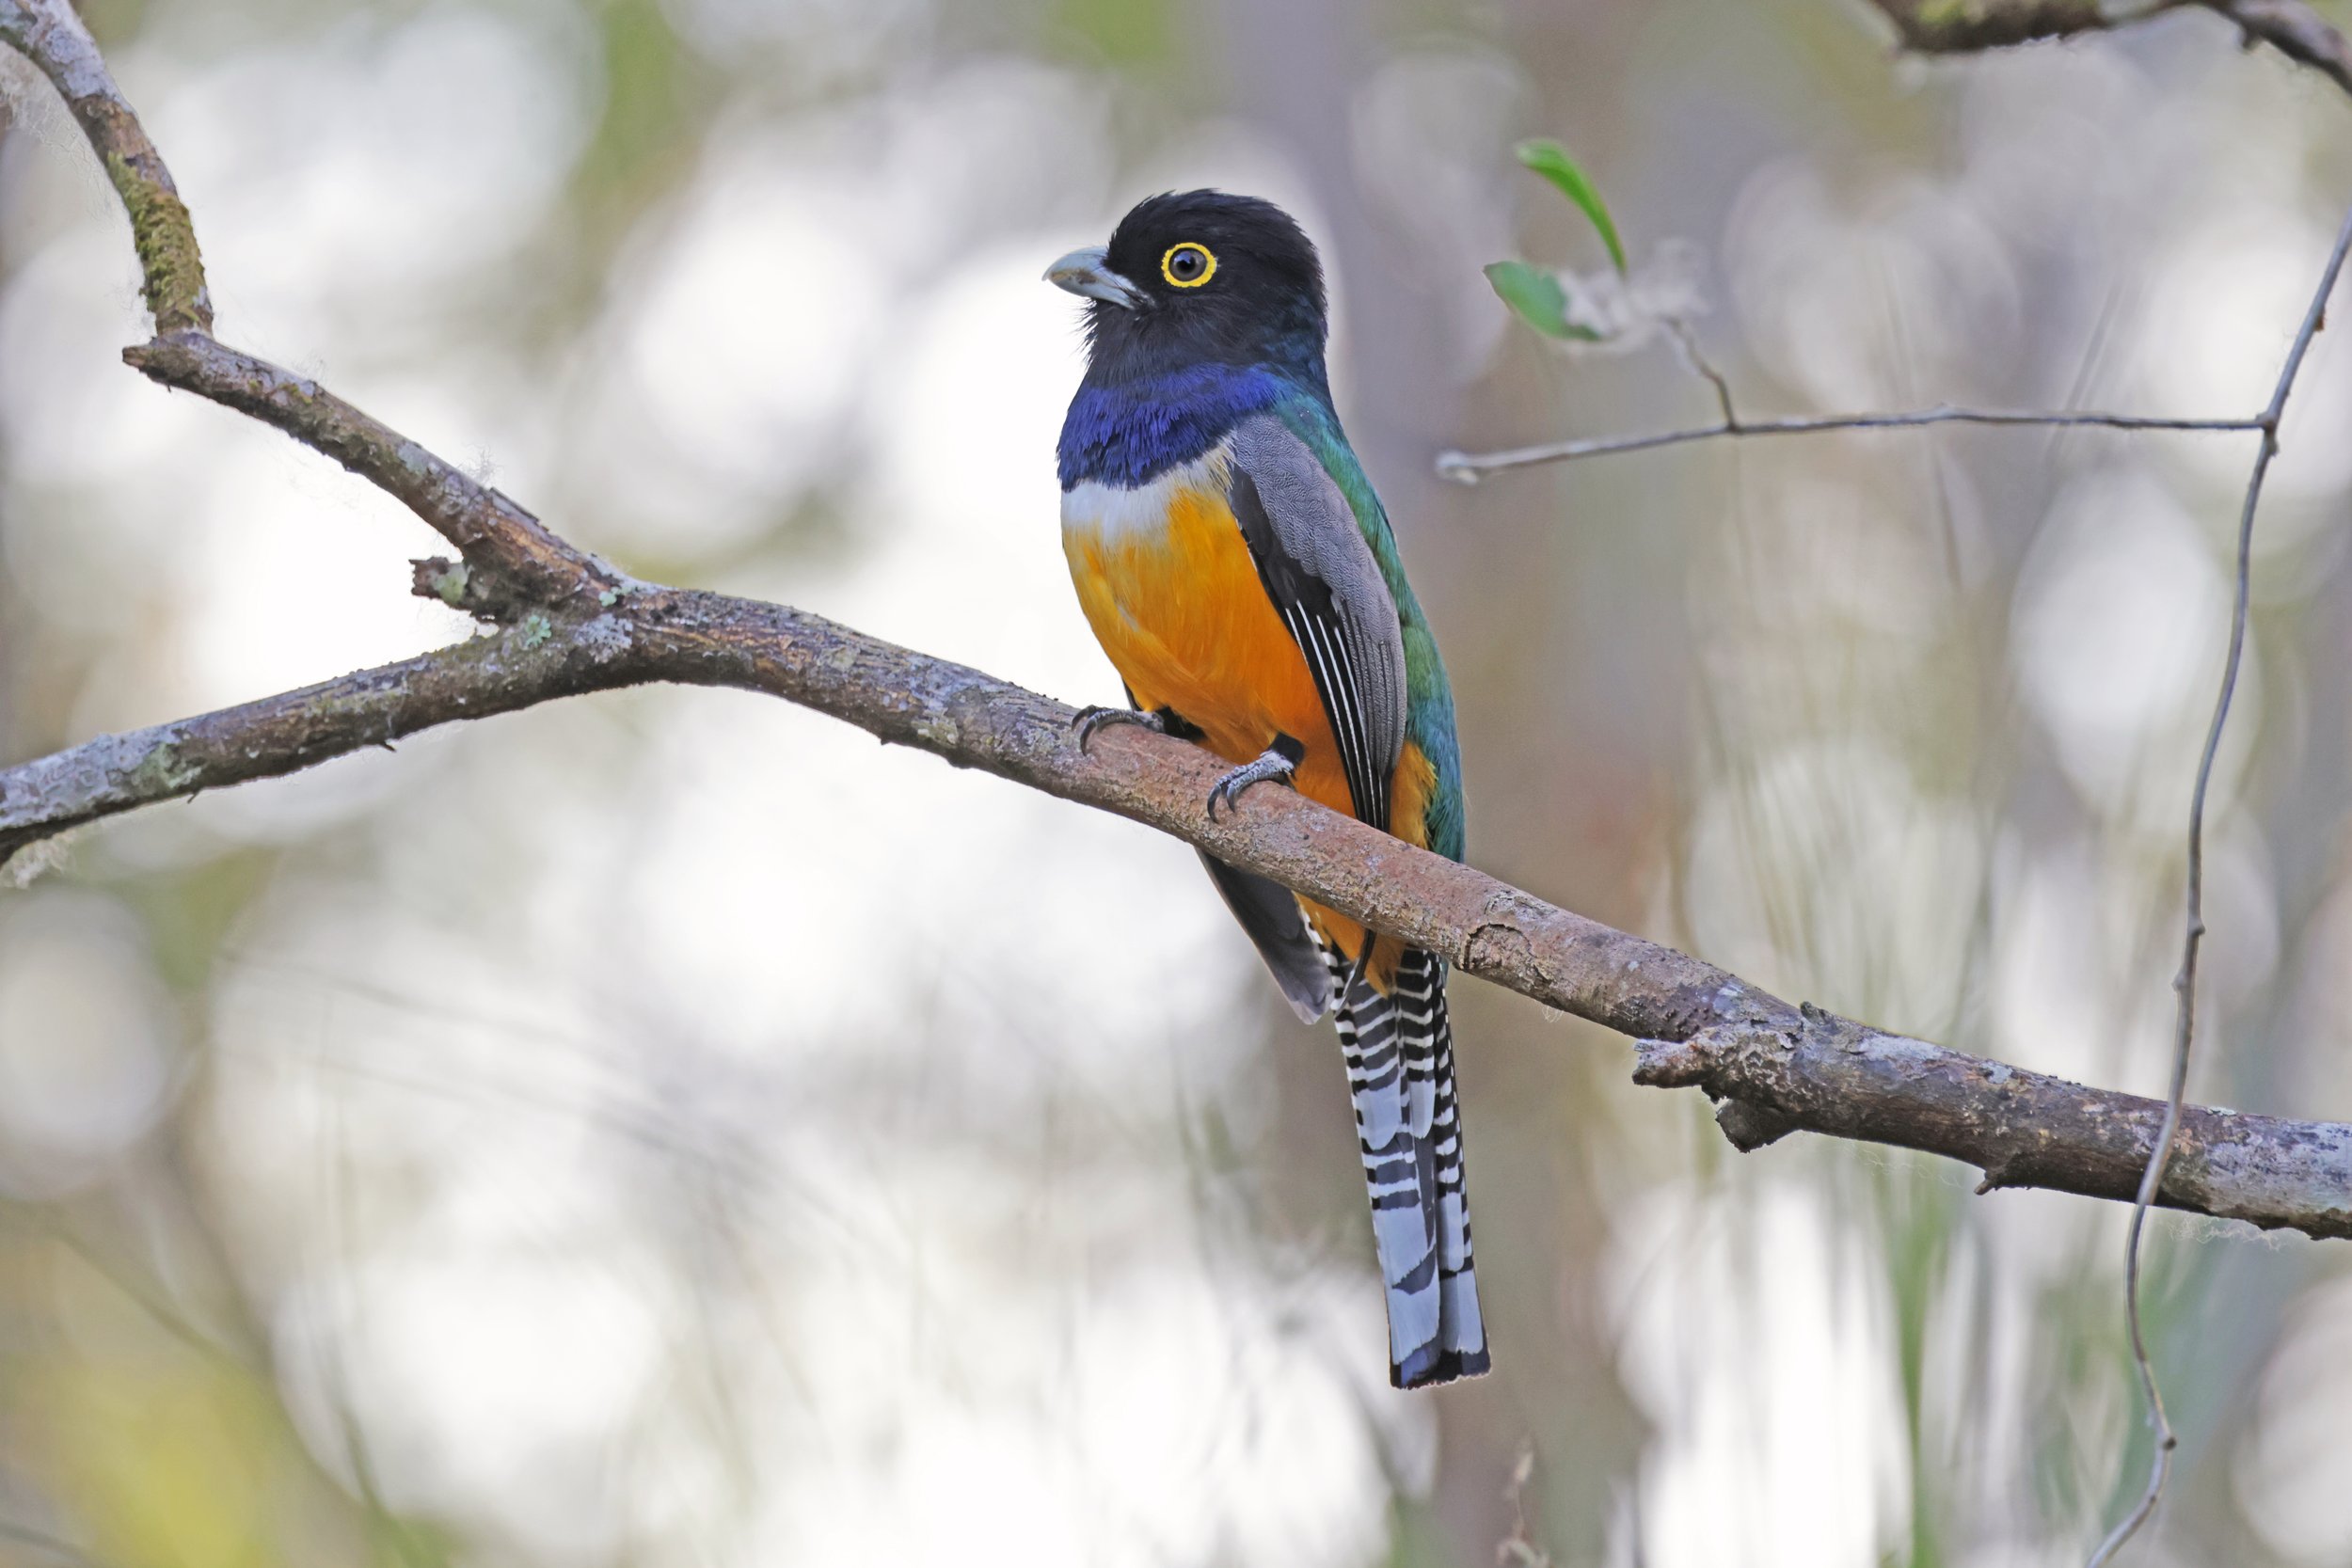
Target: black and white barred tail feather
{"points": [[1398, 1047]]}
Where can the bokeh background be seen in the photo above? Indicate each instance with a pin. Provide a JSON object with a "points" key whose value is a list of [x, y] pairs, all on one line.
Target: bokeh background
{"points": [[668, 1128]]}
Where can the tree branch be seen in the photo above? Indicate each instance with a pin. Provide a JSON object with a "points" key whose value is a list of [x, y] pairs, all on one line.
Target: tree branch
{"points": [[285, 734], [1968, 26], [512, 560], [1777, 1068], [567, 624]]}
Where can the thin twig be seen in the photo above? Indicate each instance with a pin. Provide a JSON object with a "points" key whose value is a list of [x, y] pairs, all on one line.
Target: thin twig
{"points": [[2184, 983], [1468, 468], [1687, 342]]}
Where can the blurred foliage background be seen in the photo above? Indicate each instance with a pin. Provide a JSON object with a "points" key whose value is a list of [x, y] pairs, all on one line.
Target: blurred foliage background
{"points": [[666, 1129]]}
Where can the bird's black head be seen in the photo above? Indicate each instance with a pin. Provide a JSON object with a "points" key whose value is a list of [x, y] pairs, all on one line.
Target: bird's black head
{"points": [[1199, 277]]}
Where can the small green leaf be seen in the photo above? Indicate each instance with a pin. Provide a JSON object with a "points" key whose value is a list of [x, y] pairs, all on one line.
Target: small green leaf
{"points": [[1536, 298], [1551, 160]]}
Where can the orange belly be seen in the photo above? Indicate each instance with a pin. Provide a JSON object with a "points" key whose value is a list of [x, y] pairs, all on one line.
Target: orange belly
{"points": [[1180, 609]]}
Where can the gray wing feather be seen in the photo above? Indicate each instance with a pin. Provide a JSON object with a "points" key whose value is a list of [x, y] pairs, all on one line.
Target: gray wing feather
{"points": [[1269, 913], [1321, 574]]}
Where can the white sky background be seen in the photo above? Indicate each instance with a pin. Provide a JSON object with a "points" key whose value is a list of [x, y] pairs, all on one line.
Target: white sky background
{"points": [[679, 1130]]}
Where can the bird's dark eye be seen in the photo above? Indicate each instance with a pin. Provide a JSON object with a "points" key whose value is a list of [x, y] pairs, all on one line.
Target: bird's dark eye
{"points": [[1187, 266]]}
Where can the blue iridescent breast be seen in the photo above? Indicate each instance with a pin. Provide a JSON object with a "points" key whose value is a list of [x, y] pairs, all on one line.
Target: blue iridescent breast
{"points": [[1130, 432]]}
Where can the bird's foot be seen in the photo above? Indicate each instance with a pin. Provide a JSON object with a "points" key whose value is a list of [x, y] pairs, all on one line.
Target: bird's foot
{"points": [[1093, 718], [1275, 766]]}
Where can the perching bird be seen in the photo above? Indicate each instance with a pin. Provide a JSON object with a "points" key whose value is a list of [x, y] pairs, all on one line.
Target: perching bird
{"points": [[1233, 561]]}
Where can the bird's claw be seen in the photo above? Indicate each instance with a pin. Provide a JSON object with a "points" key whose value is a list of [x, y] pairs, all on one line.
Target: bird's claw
{"points": [[1270, 767], [1093, 718]]}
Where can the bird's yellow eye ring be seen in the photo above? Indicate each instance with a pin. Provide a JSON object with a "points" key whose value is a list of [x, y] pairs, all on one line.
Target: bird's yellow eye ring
{"points": [[1189, 266]]}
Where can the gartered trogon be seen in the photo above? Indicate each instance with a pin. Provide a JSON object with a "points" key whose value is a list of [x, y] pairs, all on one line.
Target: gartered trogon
{"points": [[1235, 563]]}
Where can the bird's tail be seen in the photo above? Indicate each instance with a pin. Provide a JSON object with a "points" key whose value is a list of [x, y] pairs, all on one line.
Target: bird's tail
{"points": [[1400, 1073]]}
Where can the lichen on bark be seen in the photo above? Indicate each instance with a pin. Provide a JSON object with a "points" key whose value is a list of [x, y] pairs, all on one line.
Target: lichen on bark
{"points": [[168, 258]]}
